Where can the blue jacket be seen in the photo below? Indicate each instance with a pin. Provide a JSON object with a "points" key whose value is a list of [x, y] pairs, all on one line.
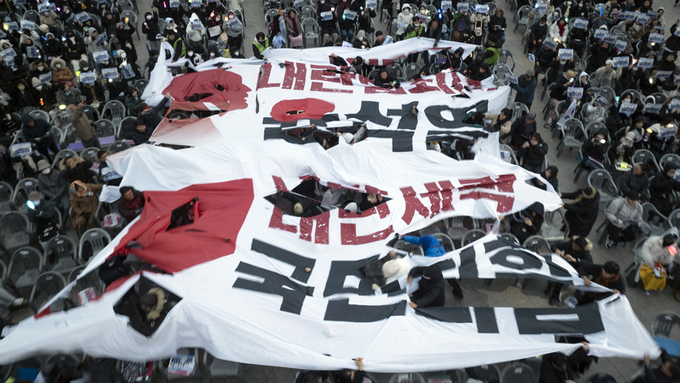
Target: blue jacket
{"points": [[525, 90], [430, 244]]}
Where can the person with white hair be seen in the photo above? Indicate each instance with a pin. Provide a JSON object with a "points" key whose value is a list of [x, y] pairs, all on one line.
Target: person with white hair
{"points": [[606, 75]]}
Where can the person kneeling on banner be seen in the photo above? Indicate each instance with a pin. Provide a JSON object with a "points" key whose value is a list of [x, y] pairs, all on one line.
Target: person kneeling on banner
{"points": [[385, 80], [657, 254], [433, 248], [430, 291], [607, 275], [573, 251]]}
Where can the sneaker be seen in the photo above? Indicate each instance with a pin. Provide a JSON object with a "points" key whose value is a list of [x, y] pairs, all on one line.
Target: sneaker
{"points": [[610, 243], [646, 292], [550, 121]]}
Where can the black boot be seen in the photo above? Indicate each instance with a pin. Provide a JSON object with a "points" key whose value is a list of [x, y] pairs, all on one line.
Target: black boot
{"points": [[455, 288]]}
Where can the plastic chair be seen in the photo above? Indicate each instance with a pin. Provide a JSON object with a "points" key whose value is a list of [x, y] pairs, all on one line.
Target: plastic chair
{"points": [[116, 110], [485, 373], [373, 75], [669, 159], [46, 287], [570, 129], [21, 192], [600, 377], [61, 255], [85, 283], [310, 30], [119, 146], [522, 16], [308, 11], [62, 118], [15, 232], [472, 236], [445, 241], [97, 238], [593, 127], [64, 153], [411, 69], [6, 191], [553, 221], [91, 112], [40, 115], [508, 155], [412, 377], [536, 243], [646, 157], [608, 93], [90, 154], [503, 57], [24, 269], [517, 109], [70, 139], [104, 209], [395, 70], [3, 270], [601, 180], [510, 237], [661, 326], [215, 367], [518, 372], [653, 220]]}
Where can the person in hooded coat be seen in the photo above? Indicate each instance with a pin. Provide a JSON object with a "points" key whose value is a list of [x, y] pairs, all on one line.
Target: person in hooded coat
{"points": [[84, 203], [530, 225], [658, 252], [37, 131], [533, 153], [431, 292], [661, 189], [582, 212]]}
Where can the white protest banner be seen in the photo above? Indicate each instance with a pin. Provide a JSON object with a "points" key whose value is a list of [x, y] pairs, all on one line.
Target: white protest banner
{"points": [[196, 25], [482, 8], [609, 38], [100, 56], [652, 108], [580, 23], [32, 53], [182, 365], [542, 8], [82, 17], [446, 4], [621, 61], [195, 4], [463, 7], [675, 104], [645, 62], [174, 3], [9, 52], [667, 132], [565, 54], [45, 77], [512, 79], [214, 31], [299, 3], [574, 92], [127, 71], [110, 73], [27, 24], [600, 33], [43, 7], [642, 19], [655, 38], [349, 15], [88, 77], [627, 108], [101, 39], [621, 45], [326, 15], [234, 22], [531, 57], [663, 74]]}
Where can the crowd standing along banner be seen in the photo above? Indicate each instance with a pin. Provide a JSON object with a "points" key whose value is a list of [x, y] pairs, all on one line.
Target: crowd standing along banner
{"points": [[252, 283]]}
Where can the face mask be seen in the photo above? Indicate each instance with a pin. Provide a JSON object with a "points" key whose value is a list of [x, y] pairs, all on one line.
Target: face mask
{"points": [[21, 87], [58, 66], [568, 3], [105, 63], [73, 39], [39, 87], [36, 203], [190, 53], [406, 11], [66, 11], [149, 17], [40, 68], [46, 171], [323, 1], [85, 69], [212, 54]]}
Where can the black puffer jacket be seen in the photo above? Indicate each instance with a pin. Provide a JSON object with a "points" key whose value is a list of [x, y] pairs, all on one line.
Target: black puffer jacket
{"points": [[581, 214], [431, 291]]}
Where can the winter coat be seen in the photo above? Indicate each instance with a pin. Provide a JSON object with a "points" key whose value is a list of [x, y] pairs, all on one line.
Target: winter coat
{"points": [[38, 130], [431, 291], [53, 185], [525, 90], [523, 231], [582, 255], [68, 99], [505, 126], [430, 244], [653, 249], [82, 125], [521, 130], [605, 77], [81, 172], [660, 189], [131, 209], [62, 74], [621, 214], [289, 25], [42, 214], [534, 155], [84, 205], [631, 183], [555, 32], [581, 214]]}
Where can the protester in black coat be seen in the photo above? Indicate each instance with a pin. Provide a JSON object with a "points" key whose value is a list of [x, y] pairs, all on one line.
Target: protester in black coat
{"points": [[530, 225], [533, 153], [431, 291], [37, 131], [661, 189], [582, 212], [635, 182], [521, 130], [668, 372]]}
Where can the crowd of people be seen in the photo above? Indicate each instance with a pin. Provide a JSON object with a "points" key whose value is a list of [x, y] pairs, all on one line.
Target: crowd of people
{"points": [[81, 55]]}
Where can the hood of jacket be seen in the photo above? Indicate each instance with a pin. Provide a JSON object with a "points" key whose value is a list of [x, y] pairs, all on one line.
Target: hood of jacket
{"points": [[26, 118], [537, 208]]}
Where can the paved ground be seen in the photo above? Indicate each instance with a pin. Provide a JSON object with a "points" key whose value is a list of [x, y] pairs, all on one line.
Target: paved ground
{"points": [[501, 293]]}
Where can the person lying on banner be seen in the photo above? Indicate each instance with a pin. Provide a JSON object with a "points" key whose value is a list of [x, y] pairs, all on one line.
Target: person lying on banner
{"points": [[658, 253], [385, 80], [337, 60], [668, 372], [431, 292], [607, 275], [432, 248], [532, 220], [131, 203], [573, 251]]}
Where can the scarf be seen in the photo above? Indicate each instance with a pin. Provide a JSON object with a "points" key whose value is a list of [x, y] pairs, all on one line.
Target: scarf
{"points": [[561, 28], [82, 190]]}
